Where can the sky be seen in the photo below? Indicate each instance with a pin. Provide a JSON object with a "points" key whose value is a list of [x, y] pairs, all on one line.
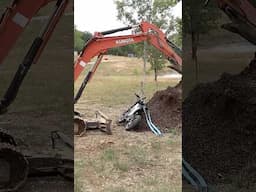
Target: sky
{"points": [[101, 15]]}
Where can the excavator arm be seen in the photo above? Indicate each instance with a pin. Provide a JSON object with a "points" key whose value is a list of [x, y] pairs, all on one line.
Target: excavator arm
{"points": [[12, 23], [14, 20], [99, 44], [242, 14]]}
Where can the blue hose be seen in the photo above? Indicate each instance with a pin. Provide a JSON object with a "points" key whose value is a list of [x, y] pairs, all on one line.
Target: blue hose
{"points": [[152, 124], [152, 127]]}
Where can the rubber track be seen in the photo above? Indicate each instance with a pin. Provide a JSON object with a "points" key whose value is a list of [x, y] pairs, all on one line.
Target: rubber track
{"points": [[18, 168]]}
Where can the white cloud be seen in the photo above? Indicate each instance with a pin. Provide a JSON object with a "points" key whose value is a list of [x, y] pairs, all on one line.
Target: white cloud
{"points": [[101, 15], [177, 10], [96, 15]]}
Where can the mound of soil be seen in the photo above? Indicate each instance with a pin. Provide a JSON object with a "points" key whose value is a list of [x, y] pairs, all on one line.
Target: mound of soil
{"points": [[219, 125], [165, 109]]}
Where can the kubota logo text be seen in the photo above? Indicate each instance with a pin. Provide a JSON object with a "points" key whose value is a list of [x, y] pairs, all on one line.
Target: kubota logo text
{"points": [[124, 41]]}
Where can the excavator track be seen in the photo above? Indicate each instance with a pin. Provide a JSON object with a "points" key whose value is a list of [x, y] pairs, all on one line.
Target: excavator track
{"points": [[13, 164], [5, 137], [13, 168], [16, 168]]}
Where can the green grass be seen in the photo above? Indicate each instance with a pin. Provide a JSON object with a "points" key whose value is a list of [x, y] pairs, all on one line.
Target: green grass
{"points": [[120, 165], [119, 90], [116, 81], [141, 167], [151, 181], [116, 189], [156, 146], [138, 156], [109, 155], [78, 185]]}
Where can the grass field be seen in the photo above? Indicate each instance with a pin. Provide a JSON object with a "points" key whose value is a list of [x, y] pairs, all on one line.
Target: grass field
{"points": [[124, 161], [116, 81]]}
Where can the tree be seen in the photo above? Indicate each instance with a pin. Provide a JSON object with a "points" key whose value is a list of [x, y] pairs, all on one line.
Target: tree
{"points": [[198, 20], [132, 12], [123, 51], [157, 61], [80, 38], [176, 37], [86, 36]]}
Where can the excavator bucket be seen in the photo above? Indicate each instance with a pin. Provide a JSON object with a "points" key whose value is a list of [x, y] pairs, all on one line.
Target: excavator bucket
{"points": [[102, 123], [79, 126]]}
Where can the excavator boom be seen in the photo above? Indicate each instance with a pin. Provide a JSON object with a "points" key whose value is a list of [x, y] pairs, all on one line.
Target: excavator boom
{"points": [[242, 14], [99, 44]]}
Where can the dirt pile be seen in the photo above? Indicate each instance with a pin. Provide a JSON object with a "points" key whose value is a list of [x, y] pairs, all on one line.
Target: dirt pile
{"points": [[219, 126], [165, 109]]}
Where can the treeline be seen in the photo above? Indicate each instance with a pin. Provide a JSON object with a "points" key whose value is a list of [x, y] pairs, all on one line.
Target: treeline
{"points": [[80, 39]]}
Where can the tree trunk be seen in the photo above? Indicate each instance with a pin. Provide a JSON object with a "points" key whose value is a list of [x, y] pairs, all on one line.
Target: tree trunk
{"points": [[195, 39], [144, 67], [155, 71]]}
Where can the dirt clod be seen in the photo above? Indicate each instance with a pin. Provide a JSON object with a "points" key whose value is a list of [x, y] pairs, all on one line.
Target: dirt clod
{"points": [[165, 109], [219, 127]]}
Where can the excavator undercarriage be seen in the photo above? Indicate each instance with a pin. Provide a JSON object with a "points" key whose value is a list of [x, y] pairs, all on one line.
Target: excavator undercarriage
{"points": [[16, 167]]}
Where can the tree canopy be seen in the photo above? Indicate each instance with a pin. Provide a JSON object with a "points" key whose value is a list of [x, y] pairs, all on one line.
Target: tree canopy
{"points": [[80, 39], [197, 20], [158, 12]]}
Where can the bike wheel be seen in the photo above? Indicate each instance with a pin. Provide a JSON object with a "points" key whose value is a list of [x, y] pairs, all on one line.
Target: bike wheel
{"points": [[133, 122]]}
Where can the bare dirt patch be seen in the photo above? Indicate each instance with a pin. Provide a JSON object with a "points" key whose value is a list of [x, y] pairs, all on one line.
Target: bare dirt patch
{"points": [[127, 161]]}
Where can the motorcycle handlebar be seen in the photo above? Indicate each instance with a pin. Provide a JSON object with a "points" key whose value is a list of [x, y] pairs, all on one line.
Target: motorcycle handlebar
{"points": [[143, 98], [137, 95]]}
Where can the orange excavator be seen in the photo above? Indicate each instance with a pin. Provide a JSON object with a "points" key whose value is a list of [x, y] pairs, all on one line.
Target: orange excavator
{"points": [[99, 44], [16, 167]]}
